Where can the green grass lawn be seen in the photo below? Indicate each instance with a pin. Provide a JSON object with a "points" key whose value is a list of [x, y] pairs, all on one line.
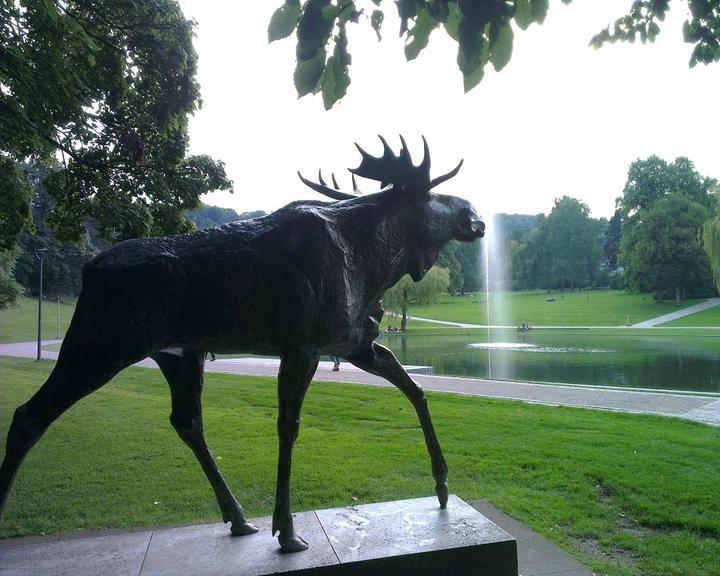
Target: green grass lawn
{"points": [[19, 322], [710, 317], [627, 494], [581, 308], [597, 308]]}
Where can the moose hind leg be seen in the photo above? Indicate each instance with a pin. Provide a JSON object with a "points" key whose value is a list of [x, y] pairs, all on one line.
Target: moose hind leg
{"points": [[296, 372], [380, 361], [72, 378], [185, 376]]}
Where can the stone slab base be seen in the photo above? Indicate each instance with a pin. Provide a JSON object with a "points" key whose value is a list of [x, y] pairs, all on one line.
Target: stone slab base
{"points": [[407, 537]]}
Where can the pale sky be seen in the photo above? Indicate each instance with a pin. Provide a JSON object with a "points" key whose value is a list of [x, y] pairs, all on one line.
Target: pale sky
{"points": [[560, 119]]}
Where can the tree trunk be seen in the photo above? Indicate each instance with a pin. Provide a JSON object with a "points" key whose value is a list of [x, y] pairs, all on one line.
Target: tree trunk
{"points": [[403, 322], [677, 296]]}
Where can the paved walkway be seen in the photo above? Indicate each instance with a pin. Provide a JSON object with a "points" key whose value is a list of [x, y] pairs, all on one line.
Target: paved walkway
{"points": [[710, 303], [698, 408]]}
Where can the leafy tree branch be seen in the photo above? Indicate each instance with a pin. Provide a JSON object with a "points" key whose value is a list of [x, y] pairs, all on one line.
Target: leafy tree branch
{"points": [[105, 87], [484, 32]]}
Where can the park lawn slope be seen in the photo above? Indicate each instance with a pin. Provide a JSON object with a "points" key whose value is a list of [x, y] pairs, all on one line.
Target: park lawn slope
{"points": [[627, 494], [540, 308], [709, 317], [18, 323]]}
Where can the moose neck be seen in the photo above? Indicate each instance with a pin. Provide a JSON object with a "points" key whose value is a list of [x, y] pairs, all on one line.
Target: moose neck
{"points": [[388, 236]]}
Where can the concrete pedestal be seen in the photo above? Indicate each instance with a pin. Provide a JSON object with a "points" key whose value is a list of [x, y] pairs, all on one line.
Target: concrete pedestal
{"points": [[408, 537]]}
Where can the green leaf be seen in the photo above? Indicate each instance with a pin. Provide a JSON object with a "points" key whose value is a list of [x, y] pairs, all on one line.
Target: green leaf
{"points": [[501, 48], [376, 20], [335, 81], [523, 14], [419, 35], [473, 78], [473, 50], [308, 73], [407, 10], [347, 12], [283, 22], [452, 24], [653, 31], [689, 32], [336, 78], [472, 57], [539, 10], [315, 27]]}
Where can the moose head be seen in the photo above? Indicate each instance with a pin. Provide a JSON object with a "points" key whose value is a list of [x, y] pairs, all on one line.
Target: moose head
{"points": [[426, 220]]}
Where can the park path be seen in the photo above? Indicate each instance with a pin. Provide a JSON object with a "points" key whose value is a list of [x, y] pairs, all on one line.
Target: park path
{"points": [[652, 323], [705, 409], [710, 303]]}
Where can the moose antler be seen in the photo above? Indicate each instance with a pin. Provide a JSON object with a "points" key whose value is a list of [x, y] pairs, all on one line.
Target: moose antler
{"points": [[323, 188], [389, 168], [399, 170], [396, 169]]}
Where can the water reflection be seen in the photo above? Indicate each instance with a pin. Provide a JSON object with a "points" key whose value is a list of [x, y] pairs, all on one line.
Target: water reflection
{"points": [[689, 363]]}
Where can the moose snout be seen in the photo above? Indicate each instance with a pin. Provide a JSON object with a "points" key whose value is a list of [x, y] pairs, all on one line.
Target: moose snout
{"points": [[478, 228]]}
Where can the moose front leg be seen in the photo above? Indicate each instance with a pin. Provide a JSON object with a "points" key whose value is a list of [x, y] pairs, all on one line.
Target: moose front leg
{"points": [[296, 372], [380, 361]]}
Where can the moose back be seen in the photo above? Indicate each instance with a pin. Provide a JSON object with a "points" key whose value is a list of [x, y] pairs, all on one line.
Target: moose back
{"points": [[304, 281]]}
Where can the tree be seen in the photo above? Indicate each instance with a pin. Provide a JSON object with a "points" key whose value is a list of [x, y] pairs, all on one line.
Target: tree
{"points": [[484, 31], [563, 251], [62, 263], [9, 288], [210, 216], [15, 198], [15, 215], [106, 87], [662, 251], [651, 179], [468, 256], [711, 243], [653, 188], [427, 291], [611, 246], [448, 259], [711, 237]]}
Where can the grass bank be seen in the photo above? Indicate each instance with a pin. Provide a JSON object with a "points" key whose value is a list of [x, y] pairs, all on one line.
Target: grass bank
{"points": [[627, 494], [19, 322], [581, 308], [710, 317]]}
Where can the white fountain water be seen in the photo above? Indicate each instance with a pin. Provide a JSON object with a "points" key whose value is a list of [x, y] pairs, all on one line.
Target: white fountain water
{"points": [[486, 253], [497, 280]]}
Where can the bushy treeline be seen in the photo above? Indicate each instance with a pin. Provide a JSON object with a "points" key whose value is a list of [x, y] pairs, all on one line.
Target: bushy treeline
{"points": [[665, 226], [63, 262]]}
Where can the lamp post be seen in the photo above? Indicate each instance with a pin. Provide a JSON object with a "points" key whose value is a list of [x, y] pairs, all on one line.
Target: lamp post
{"points": [[40, 257]]}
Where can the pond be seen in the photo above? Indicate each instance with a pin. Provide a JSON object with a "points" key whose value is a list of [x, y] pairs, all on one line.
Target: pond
{"points": [[677, 362]]}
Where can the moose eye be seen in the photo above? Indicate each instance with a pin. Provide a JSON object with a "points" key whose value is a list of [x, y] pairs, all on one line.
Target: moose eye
{"points": [[466, 215]]}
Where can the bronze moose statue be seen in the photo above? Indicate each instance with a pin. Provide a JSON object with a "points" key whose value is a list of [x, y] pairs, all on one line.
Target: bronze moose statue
{"points": [[304, 281]]}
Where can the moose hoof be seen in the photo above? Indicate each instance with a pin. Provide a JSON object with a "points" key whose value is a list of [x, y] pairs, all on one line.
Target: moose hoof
{"points": [[242, 528], [441, 489], [291, 542]]}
